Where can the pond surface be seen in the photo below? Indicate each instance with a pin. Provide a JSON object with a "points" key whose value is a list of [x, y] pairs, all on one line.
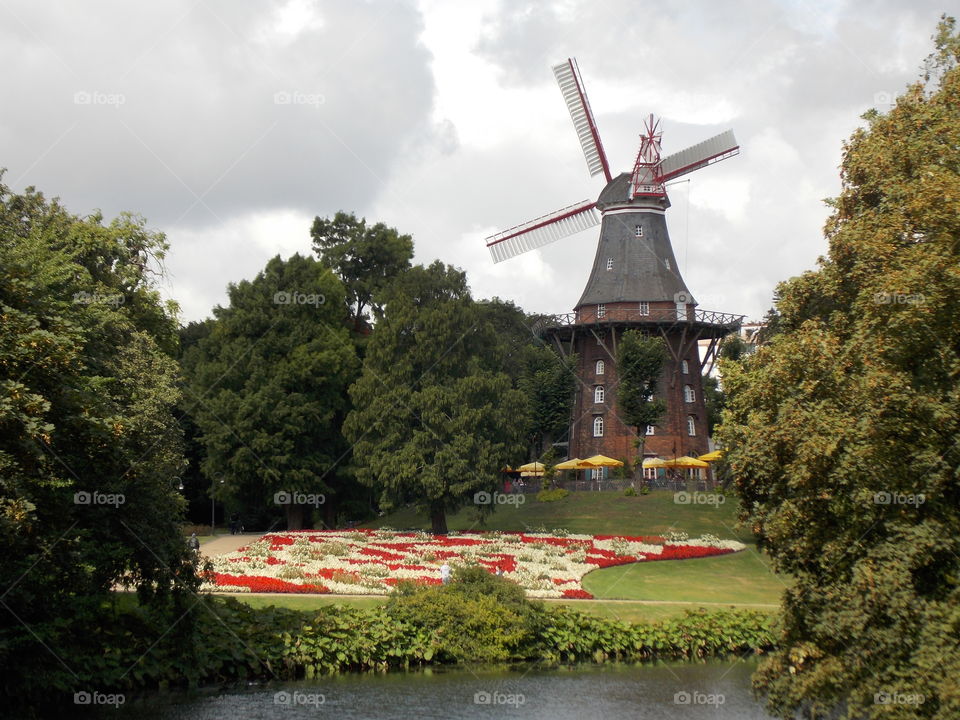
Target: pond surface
{"points": [[719, 690]]}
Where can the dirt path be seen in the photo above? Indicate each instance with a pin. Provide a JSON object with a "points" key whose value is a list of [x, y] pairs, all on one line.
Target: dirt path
{"points": [[226, 543]]}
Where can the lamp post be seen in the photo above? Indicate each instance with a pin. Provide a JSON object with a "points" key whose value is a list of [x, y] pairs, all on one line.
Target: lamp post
{"points": [[213, 507]]}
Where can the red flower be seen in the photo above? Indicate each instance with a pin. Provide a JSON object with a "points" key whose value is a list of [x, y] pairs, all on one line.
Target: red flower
{"points": [[577, 594]]}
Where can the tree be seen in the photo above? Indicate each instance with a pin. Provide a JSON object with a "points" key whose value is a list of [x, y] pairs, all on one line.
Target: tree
{"points": [[89, 445], [434, 417], [842, 430], [640, 361], [268, 391], [714, 400], [364, 258]]}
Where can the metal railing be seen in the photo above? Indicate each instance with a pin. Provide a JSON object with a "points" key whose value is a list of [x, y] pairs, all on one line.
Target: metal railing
{"points": [[654, 316]]}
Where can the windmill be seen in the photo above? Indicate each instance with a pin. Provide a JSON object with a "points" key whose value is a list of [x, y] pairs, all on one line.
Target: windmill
{"points": [[634, 283]]}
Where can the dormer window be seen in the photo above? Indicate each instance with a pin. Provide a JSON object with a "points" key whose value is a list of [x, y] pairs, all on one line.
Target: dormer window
{"points": [[644, 307], [609, 263], [638, 231]]}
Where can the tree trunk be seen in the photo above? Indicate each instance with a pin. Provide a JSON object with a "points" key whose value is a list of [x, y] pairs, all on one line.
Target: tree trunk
{"points": [[295, 516], [438, 520]]}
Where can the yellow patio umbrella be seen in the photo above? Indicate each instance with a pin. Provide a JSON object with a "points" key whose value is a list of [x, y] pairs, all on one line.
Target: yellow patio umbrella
{"points": [[686, 462], [531, 467], [571, 464], [654, 462], [601, 461], [711, 456]]}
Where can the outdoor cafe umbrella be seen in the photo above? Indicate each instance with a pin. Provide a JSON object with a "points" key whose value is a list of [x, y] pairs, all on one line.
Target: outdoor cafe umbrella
{"points": [[711, 456], [534, 469], [571, 464], [601, 461], [686, 462], [654, 462]]}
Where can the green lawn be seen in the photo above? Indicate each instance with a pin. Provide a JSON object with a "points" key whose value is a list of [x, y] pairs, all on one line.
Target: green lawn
{"points": [[592, 513], [742, 577]]}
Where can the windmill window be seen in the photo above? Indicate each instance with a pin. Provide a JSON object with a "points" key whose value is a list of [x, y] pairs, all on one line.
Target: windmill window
{"points": [[650, 429], [609, 263], [644, 308], [598, 426], [688, 394], [601, 311], [684, 367], [598, 394], [666, 262], [691, 426], [601, 367], [638, 231]]}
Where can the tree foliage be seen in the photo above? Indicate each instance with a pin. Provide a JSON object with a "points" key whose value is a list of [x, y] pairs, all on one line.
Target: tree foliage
{"points": [[89, 446], [268, 390], [842, 429], [434, 416], [640, 361], [365, 258]]}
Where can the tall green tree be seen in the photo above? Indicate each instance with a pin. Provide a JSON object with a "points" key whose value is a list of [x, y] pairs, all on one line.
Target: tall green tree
{"points": [[640, 361], [842, 429], [89, 445], [268, 391], [366, 258], [434, 416]]}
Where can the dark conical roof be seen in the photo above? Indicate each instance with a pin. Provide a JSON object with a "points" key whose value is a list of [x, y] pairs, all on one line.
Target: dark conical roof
{"points": [[629, 267]]}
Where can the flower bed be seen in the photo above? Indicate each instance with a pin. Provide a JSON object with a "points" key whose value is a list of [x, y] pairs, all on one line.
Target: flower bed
{"points": [[374, 561]]}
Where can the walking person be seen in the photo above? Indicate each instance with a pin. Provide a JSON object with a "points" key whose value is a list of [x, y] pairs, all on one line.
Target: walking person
{"points": [[445, 573]]}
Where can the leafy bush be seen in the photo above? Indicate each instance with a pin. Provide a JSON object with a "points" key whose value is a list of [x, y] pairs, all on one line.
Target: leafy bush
{"points": [[552, 495], [630, 492]]}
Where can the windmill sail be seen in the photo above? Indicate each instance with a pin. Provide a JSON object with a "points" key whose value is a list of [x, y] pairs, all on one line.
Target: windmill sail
{"points": [[568, 77], [542, 230], [720, 147]]}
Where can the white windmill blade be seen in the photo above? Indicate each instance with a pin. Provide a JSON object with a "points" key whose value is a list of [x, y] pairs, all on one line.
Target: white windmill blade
{"points": [[543, 230], [717, 148], [574, 94]]}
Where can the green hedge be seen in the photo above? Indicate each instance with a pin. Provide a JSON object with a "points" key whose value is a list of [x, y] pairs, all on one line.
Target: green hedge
{"points": [[477, 618], [552, 495]]}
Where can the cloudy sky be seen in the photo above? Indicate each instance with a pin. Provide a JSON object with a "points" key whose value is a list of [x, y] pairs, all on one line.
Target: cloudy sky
{"points": [[229, 125]]}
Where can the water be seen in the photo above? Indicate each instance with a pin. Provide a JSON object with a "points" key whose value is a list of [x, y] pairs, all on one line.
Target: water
{"points": [[718, 690]]}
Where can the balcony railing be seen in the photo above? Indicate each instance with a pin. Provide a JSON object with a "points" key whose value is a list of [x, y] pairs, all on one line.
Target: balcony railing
{"points": [[655, 316]]}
